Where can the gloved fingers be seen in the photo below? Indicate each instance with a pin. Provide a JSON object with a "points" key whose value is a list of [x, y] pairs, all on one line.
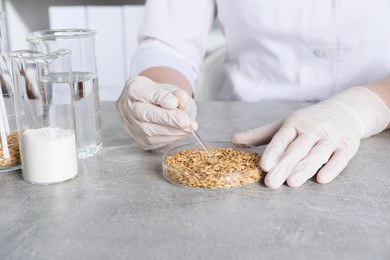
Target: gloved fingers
{"points": [[150, 113], [257, 136], [145, 90], [182, 97], [336, 164], [186, 103], [277, 146], [152, 142], [140, 128], [295, 152], [310, 165]]}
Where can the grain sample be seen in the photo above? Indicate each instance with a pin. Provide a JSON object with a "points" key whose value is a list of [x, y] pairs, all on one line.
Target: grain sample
{"points": [[195, 169], [13, 148]]}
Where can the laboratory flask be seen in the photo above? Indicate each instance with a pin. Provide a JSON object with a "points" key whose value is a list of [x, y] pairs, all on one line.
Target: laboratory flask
{"points": [[9, 143], [81, 43], [45, 115]]}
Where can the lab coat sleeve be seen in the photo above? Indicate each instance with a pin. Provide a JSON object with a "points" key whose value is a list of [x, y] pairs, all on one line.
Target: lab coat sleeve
{"points": [[174, 34]]}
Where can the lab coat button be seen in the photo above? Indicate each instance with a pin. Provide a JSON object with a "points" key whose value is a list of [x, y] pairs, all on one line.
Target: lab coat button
{"points": [[319, 52]]}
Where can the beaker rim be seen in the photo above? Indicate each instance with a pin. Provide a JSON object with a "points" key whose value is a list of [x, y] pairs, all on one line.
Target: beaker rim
{"points": [[36, 55], [60, 33]]}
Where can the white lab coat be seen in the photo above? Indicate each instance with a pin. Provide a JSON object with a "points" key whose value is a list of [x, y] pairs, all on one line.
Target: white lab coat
{"points": [[277, 49]]}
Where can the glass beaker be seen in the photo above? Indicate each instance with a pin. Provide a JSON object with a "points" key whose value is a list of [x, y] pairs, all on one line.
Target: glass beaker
{"points": [[9, 143], [81, 43], [45, 115]]}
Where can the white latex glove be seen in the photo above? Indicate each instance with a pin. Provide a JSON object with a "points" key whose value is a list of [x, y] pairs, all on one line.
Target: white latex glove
{"points": [[320, 138], [155, 114]]}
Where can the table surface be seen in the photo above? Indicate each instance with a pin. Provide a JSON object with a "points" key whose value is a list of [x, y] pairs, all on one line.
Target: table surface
{"points": [[120, 206]]}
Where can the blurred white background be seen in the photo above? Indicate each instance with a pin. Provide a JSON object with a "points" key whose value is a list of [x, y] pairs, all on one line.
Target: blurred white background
{"points": [[116, 22]]}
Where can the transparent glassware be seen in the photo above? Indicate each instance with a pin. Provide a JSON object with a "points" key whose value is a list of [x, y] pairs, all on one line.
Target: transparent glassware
{"points": [[45, 115], [9, 143], [81, 43], [185, 167]]}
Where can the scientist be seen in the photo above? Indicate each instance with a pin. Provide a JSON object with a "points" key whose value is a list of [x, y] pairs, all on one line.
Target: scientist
{"points": [[326, 51]]}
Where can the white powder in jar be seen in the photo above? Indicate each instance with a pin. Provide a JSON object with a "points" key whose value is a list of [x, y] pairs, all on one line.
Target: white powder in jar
{"points": [[49, 155]]}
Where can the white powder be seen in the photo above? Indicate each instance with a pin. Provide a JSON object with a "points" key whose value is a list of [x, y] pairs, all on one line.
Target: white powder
{"points": [[49, 155]]}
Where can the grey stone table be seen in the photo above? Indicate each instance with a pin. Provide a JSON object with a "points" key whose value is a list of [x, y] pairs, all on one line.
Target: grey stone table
{"points": [[120, 207]]}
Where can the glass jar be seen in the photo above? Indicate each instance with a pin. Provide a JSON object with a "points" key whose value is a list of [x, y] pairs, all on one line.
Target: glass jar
{"points": [[9, 143], [45, 115]]}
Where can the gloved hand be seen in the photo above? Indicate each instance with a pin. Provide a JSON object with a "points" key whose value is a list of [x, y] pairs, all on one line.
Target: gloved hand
{"points": [[319, 138], [155, 114]]}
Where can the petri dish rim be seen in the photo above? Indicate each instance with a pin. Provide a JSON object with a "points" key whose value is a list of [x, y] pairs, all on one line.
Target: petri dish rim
{"points": [[213, 144]]}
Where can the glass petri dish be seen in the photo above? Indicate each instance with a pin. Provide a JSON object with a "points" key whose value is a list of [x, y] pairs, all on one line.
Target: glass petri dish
{"points": [[188, 166]]}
